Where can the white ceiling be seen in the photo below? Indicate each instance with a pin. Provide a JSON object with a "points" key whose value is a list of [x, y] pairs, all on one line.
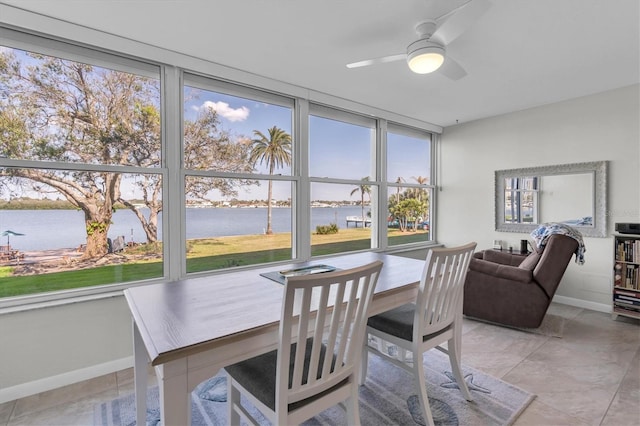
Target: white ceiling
{"points": [[520, 54]]}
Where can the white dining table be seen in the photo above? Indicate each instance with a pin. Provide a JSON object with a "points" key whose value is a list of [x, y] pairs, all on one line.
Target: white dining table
{"points": [[189, 329]]}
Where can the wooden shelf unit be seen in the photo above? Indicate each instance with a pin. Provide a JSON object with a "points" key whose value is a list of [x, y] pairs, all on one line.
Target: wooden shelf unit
{"points": [[626, 275]]}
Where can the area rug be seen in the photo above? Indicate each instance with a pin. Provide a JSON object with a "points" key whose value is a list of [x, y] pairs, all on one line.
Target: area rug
{"points": [[552, 325], [387, 398]]}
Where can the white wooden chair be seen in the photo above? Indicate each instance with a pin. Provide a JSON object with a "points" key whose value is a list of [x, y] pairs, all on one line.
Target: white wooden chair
{"points": [[435, 318], [317, 360]]}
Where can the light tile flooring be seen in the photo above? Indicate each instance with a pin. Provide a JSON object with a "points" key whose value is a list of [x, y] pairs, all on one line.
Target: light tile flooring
{"points": [[591, 376]]}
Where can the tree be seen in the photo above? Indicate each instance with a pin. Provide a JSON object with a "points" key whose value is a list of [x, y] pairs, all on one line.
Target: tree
{"points": [[206, 147], [275, 151], [363, 189], [57, 110], [421, 194], [68, 112], [418, 192], [398, 189], [408, 210]]}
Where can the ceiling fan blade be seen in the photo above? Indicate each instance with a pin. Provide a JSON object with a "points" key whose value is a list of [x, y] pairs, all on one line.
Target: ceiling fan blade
{"points": [[452, 69], [456, 22], [374, 61]]}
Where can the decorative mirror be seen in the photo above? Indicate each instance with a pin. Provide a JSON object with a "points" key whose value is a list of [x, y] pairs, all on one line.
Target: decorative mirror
{"points": [[575, 194]]}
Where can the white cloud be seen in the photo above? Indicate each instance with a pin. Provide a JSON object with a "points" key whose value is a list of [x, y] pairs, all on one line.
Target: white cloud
{"points": [[224, 110]]}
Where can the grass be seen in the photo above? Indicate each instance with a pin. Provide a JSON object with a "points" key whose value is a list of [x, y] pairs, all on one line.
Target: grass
{"points": [[29, 284], [202, 255]]}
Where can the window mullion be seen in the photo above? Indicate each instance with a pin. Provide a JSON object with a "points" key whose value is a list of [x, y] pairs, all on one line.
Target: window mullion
{"points": [[174, 207], [381, 173], [302, 217]]}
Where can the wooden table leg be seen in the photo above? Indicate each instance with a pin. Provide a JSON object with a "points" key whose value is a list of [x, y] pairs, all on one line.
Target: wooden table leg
{"points": [[140, 376], [175, 394]]}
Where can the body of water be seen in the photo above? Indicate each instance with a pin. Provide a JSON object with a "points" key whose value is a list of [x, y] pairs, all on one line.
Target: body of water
{"points": [[53, 229]]}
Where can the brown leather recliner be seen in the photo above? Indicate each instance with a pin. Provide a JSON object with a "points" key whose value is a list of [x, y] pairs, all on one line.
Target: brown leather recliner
{"points": [[505, 289]]}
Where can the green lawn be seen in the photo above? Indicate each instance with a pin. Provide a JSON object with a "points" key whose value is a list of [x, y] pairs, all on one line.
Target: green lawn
{"points": [[28, 284], [202, 255]]}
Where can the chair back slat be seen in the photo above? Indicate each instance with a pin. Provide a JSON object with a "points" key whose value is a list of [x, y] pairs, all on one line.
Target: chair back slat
{"points": [[441, 289], [334, 332], [305, 308], [318, 332], [332, 309]]}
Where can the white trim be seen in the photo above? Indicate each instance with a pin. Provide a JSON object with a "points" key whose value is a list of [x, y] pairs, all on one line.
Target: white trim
{"points": [[71, 377], [579, 303], [46, 300]]}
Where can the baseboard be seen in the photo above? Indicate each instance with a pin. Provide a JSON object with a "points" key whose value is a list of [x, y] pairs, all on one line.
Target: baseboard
{"points": [[54, 382], [579, 303]]}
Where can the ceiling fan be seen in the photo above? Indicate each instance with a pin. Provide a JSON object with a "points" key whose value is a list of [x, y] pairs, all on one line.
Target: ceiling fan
{"points": [[428, 53]]}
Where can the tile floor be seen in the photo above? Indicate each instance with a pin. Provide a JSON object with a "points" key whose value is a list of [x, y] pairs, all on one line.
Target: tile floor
{"points": [[591, 376]]}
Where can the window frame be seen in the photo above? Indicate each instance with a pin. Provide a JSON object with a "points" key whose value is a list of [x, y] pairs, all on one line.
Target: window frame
{"points": [[431, 187], [134, 58], [72, 52], [353, 118], [212, 84]]}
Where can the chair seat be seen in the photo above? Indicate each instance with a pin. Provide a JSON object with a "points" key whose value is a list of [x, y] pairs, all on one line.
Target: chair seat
{"points": [[258, 376], [398, 322]]}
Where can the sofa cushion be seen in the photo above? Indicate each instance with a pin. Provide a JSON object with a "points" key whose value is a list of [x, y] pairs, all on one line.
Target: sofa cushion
{"points": [[498, 271], [501, 257], [530, 261]]}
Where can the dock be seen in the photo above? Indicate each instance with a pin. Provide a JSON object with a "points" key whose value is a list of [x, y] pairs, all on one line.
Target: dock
{"points": [[358, 220]]}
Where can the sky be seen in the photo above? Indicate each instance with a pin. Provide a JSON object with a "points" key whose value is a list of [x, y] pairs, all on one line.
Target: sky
{"points": [[337, 149]]}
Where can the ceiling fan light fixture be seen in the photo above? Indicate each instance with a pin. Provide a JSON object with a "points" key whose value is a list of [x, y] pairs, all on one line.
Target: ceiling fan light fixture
{"points": [[425, 56]]}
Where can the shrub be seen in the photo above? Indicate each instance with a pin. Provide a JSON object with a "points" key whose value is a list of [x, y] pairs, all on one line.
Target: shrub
{"points": [[331, 228]]}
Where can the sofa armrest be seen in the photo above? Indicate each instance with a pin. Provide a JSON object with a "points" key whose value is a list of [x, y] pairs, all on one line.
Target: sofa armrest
{"points": [[499, 271]]}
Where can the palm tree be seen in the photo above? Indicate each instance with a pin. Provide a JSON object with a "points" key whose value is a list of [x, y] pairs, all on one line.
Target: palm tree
{"points": [[363, 189], [275, 151], [398, 189], [421, 181], [419, 192]]}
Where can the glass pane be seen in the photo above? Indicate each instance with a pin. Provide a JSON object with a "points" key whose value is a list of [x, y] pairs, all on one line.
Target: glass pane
{"points": [[340, 150], [66, 111], [241, 228], [511, 207], [529, 183], [408, 215], [520, 205], [341, 218], [510, 183], [227, 133], [408, 159], [68, 229], [528, 206]]}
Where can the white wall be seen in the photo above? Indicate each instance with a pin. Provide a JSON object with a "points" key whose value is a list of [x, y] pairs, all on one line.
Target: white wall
{"points": [[603, 126], [45, 348]]}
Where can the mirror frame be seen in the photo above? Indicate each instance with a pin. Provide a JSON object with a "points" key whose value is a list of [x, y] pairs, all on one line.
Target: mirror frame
{"points": [[599, 170]]}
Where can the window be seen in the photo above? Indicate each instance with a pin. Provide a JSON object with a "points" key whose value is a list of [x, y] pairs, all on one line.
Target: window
{"points": [[238, 157], [342, 153], [88, 142], [81, 172], [520, 196], [410, 189]]}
